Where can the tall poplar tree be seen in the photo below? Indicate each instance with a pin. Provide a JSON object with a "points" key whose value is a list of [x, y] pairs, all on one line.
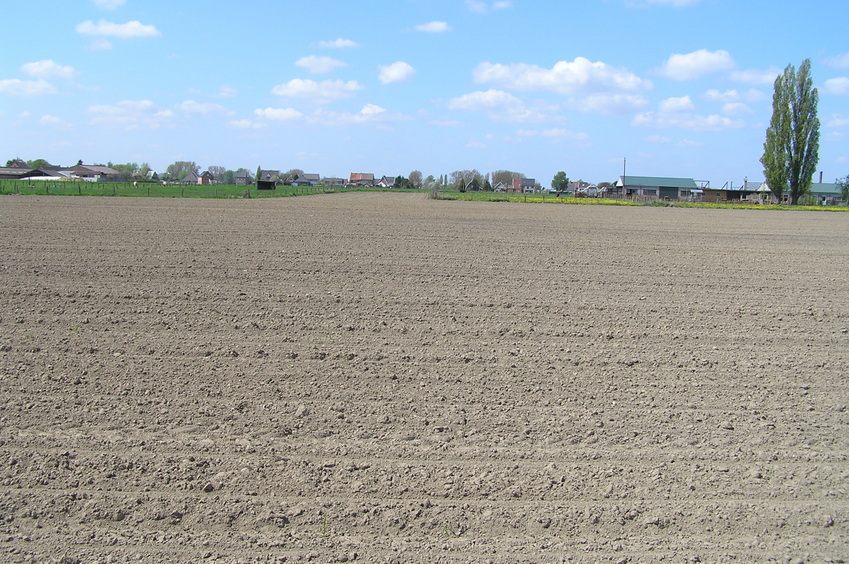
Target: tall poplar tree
{"points": [[791, 148]]}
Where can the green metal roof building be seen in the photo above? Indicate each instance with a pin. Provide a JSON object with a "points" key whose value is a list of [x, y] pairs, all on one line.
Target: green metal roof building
{"points": [[657, 186]]}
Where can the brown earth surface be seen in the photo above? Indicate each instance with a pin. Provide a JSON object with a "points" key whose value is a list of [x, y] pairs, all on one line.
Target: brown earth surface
{"points": [[389, 378]]}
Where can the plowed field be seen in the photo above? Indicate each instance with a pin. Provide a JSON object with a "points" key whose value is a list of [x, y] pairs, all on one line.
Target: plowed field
{"points": [[388, 378]]}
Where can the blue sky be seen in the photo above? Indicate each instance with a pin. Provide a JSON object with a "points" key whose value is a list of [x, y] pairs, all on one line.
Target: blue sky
{"points": [[676, 87]]}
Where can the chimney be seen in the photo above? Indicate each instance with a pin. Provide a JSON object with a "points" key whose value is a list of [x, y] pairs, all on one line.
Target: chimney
{"points": [[820, 177]]}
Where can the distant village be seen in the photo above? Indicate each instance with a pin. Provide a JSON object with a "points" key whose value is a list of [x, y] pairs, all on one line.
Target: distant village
{"points": [[643, 188]]}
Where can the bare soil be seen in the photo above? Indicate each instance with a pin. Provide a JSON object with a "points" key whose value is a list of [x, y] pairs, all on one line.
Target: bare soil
{"points": [[388, 378]]}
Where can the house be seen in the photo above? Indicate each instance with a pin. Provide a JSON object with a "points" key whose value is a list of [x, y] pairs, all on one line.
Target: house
{"points": [[17, 173], [95, 173], [386, 182], [748, 190], [304, 179], [331, 181], [296, 180], [242, 178], [473, 185], [523, 186], [312, 179], [577, 187], [820, 193], [206, 178], [190, 177], [499, 187], [361, 179], [657, 187], [826, 193], [268, 179]]}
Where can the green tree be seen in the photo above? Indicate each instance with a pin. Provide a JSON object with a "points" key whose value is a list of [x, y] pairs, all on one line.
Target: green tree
{"points": [[560, 182], [843, 186], [466, 176], [38, 163], [416, 178], [404, 183], [217, 173], [487, 186], [791, 148], [125, 171], [506, 177], [180, 169]]}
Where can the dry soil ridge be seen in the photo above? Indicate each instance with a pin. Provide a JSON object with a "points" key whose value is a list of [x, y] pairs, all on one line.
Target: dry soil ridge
{"points": [[392, 378]]}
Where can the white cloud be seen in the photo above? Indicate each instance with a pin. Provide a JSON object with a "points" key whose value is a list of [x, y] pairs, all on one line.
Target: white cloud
{"points": [[553, 133], [109, 4], [396, 72], [751, 95], [100, 45], [192, 107], [369, 114], [736, 109], [319, 65], [682, 104], [247, 124], [434, 27], [499, 105], [658, 139], [279, 114], [481, 7], [838, 86], [16, 87], [689, 143], [754, 76], [446, 123], [321, 91], [698, 63], [227, 91], [372, 110], [611, 103], [483, 100], [129, 114], [48, 69], [838, 62], [339, 43], [838, 120], [580, 76], [563, 134], [694, 122], [52, 121], [123, 31]]}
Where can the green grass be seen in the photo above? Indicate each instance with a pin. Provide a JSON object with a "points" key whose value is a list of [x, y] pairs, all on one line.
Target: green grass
{"points": [[551, 199], [153, 190], [744, 206]]}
